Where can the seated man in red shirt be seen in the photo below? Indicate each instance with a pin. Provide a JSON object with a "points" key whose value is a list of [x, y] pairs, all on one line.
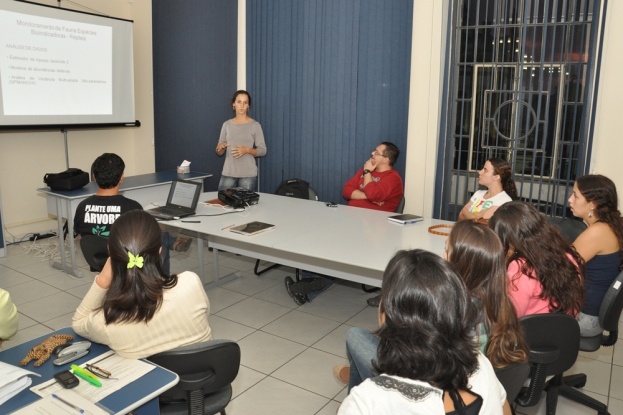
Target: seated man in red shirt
{"points": [[375, 186]]}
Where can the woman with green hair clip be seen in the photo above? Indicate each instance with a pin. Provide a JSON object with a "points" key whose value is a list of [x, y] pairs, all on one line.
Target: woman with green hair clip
{"points": [[133, 306]]}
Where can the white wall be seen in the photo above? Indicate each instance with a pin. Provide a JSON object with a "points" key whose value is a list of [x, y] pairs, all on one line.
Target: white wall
{"points": [[26, 156]]}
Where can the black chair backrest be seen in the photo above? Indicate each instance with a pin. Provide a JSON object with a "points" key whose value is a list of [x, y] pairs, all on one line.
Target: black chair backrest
{"points": [[552, 332], [95, 250], [401, 206], [612, 304], [569, 228], [296, 188], [209, 366], [512, 378]]}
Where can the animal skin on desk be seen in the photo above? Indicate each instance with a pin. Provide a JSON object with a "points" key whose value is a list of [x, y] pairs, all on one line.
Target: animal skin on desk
{"points": [[43, 350]]}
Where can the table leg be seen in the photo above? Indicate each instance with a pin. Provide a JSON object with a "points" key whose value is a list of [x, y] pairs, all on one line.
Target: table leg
{"points": [[61, 239], [220, 281], [202, 276]]}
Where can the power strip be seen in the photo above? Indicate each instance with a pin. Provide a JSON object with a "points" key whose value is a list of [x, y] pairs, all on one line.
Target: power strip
{"points": [[39, 236]]}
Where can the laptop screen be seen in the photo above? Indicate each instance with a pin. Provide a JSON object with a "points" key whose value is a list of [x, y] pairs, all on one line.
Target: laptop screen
{"points": [[183, 194]]}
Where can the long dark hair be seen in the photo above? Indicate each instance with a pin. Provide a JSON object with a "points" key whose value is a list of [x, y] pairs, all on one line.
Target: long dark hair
{"points": [[602, 191], [478, 256], [135, 294], [428, 319], [543, 253], [503, 169]]}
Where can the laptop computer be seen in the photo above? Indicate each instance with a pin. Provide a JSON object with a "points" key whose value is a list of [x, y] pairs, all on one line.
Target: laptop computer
{"points": [[182, 200]]}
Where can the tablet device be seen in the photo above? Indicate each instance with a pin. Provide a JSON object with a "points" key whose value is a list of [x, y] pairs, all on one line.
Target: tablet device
{"points": [[405, 219]]}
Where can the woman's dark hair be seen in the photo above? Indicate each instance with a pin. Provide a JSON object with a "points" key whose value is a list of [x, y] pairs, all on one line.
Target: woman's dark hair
{"points": [[135, 294], [503, 169], [428, 321], [603, 193], [240, 92], [477, 254], [542, 253]]}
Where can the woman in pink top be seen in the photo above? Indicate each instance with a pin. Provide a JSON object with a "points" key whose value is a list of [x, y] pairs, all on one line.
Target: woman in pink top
{"points": [[543, 268]]}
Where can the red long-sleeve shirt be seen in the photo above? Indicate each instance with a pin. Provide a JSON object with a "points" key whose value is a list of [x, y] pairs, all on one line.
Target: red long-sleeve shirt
{"points": [[385, 188]]}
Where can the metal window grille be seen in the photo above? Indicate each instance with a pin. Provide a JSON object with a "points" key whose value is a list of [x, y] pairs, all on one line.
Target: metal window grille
{"points": [[521, 86]]}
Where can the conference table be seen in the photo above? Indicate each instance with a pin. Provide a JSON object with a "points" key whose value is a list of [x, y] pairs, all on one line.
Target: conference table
{"points": [[346, 242], [144, 188], [141, 394]]}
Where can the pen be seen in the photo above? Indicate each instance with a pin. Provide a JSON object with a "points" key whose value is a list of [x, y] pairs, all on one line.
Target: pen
{"points": [[88, 379], [68, 403], [230, 226], [191, 221], [77, 368]]}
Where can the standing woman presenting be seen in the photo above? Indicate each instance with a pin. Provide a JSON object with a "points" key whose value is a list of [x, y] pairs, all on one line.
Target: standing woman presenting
{"points": [[242, 140], [496, 177]]}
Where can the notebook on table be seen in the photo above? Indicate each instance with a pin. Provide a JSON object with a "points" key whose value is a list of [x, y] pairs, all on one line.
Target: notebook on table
{"points": [[252, 228], [182, 200]]}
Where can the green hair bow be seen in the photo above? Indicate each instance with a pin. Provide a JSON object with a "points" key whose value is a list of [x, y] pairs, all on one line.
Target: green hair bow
{"points": [[135, 260]]}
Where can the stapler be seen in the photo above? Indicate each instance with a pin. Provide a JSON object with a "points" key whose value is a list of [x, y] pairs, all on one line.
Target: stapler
{"points": [[70, 351]]}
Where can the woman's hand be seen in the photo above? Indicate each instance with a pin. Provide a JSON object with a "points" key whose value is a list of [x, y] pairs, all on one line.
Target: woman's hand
{"points": [[104, 279], [239, 151], [221, 147]]}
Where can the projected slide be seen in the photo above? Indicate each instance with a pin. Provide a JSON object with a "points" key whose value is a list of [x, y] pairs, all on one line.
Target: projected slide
{"points": [[55, 67]]}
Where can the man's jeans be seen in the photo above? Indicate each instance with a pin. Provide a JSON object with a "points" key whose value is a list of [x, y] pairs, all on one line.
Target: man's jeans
{"points": [[361, 348]]}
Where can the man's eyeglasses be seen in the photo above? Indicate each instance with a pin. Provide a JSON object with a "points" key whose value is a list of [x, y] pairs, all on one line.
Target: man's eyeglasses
{"points": [[379, 154]]}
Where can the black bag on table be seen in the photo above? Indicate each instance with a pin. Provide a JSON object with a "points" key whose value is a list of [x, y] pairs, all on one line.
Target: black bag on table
{"points": [[293, 188], [70, 179]]}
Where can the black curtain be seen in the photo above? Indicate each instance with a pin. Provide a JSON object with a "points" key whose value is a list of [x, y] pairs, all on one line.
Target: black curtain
{"points": [[330, 81], [194, 53]]}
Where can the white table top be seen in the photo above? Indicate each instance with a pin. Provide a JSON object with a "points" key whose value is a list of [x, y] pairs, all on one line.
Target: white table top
{"points": [[344, 235]]}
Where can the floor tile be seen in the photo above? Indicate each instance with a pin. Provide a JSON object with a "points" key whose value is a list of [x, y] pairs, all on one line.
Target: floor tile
{"points": [[29, 291], [59, 322], [228, 330], [267, 398], [249, 284], [312, 370], [38, 270], [334, 342], [278, 273], [50, 307], [277, 294], [368, 318], [253, 312], [24, 321], [209, 272], [19, 260], [615, 406], [333, 307], [11, 277], [266, 353], [27, 334], [330, 408], [351, 290], [341, 395], [564, 407], [616, 391], [617, 357], [598, 374], [242, 263], [245, 379], [65, 282], [301, 327], [221, 299], [80, 291]]}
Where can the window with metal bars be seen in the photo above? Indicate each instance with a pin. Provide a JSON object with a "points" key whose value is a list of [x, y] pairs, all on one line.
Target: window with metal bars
{"points": [[521, 86]]}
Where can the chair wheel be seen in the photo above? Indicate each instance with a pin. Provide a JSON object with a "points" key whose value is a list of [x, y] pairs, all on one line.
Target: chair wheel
{"points": [[580, 385]]}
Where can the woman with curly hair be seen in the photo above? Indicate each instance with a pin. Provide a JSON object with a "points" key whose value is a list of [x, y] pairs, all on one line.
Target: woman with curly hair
{"points": [[478, 256], [133, 306], [427, 361], [594, 199], [545, 272], [496, 177]]}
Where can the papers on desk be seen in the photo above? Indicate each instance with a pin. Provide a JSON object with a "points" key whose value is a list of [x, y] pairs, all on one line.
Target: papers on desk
{"points": [[65, 402], [124, 371], [13, 380]]}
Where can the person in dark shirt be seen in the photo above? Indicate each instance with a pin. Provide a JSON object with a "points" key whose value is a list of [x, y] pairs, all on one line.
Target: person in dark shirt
{"points": [[96, 214]]}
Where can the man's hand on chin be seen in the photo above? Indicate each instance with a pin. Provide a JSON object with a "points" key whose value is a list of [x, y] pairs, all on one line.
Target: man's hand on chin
{"points": [[369, 165]]}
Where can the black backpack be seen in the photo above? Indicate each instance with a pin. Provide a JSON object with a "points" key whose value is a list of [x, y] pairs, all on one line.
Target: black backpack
{"points": [[293, 188]]}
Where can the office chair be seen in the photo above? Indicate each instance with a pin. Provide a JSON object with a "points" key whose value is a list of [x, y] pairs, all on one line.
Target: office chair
{"points": [[554, 342], [399, 209], [206, 371], [569, 228], [95, 251], [609, 314], [312, 195], [512, 378]]}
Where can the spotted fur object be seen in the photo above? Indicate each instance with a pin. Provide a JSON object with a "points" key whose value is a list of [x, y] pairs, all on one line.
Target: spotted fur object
{"points": [[43, 350]]}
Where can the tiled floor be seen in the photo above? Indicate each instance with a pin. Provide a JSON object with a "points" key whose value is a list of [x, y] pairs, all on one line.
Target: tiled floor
{"points": [[287, 351]]}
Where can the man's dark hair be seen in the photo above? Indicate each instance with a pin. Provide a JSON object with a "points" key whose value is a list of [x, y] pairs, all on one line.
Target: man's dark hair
{"points": [[391, 152], [108, 169]]}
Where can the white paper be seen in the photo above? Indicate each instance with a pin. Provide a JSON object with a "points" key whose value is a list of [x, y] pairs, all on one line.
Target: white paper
{"points": [[185, 163], [124, 371], [13, 379], [53, 406]]}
